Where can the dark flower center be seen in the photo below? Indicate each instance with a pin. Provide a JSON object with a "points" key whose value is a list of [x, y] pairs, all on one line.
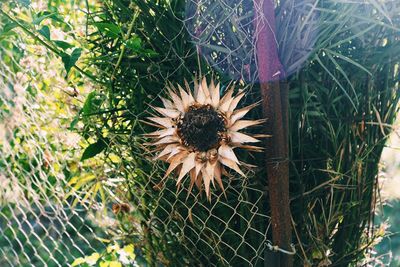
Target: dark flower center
{"points": [[200, 128]]}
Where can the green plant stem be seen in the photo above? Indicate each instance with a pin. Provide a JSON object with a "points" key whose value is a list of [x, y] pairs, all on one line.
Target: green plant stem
{"points": [[123, 47]]}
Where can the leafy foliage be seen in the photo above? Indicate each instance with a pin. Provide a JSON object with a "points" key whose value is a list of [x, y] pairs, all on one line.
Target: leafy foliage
{"points": [[38, 155], [342, 104], [112, 256]]}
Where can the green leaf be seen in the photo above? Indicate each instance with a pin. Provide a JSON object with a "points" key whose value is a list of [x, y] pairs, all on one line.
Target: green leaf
{"points": [[39, 17], [9, 26], [108, 257], [150, 53], [91, 103], [70, 60], [134, 43], [54, 16], [63, 45], [45, 31], [74, 122], [349, 60], [334, 78], [7, 30], [94, 149], [111, 30]]}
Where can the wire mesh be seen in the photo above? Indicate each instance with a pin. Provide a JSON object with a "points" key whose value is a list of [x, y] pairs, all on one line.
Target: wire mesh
{"points": [[193, 38], [38, 225], [229, 231]]}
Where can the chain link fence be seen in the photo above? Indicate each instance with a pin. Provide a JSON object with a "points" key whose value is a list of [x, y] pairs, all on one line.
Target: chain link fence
{"points": [[180, 40], [39, 226]]}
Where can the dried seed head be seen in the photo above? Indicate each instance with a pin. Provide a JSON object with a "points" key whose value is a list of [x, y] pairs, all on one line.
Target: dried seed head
{"points": [[199, 132], [201, 128]]}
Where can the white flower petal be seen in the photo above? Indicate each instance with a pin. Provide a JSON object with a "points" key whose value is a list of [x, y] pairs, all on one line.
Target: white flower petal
{"points": [[189, 92], [215, 96], [236, 101], [237, 137], [198, 181], [240, 113], [176, 100], [206, 91], [185, 98], [226, 151], [188, 164], [193, 178], [217, 174], [201, 97], [167, 132], [167, 104], [171, 113], [161, 133], [166, 151], [227, 96], [175, 151], [231, 164], [248, 147], [239, 125], [167, 140], [199, 166], [175, 162], [156, 134], [206, 179], [162, 122], [225, 106], [210, 170]]}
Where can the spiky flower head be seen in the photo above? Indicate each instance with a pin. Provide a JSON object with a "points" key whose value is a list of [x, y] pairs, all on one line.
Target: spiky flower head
{"points": [[199, 132]]}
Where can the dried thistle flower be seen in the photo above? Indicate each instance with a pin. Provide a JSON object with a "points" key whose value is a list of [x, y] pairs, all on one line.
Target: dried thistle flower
{"points": [[199, 132]]}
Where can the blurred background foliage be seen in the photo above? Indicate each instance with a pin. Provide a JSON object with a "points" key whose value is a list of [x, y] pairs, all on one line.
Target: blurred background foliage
{"points": [[78, 79], [387, 215], [48, 213]]}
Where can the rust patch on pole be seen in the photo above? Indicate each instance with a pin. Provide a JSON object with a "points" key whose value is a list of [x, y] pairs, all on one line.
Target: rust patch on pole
{"points": [[275, 108]]}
